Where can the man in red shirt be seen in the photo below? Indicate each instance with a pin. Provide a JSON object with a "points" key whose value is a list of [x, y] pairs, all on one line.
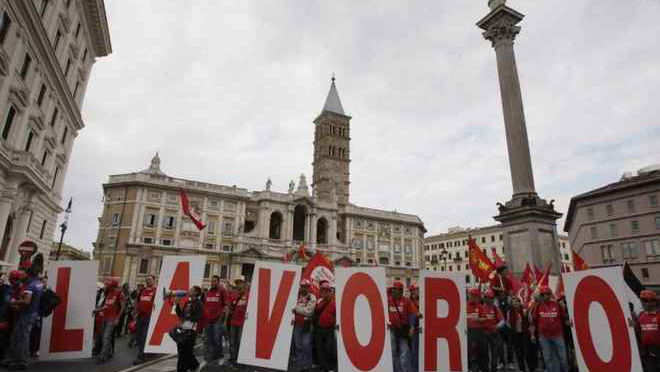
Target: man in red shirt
{"points": [[477, 346], [649, 331], [325, 321], [111, 307], [399, 308], [237, 306], [213, 321], [143, 308], [491, 321], [548, 319]]}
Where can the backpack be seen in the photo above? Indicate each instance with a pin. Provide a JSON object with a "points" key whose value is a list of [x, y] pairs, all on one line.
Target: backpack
{"points": [[48, 302]]}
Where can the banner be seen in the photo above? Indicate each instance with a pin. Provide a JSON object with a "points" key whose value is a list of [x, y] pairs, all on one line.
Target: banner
{"points": [[268, 326], [177, 273], [603, 333], [443, 341], [362, 345], [69, 332]]}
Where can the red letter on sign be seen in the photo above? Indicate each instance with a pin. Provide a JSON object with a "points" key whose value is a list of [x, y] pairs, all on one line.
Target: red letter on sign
{"points": [[167, 320], [363, 357], [61, 339], [268, 323], [594, 289], [434, 328]]}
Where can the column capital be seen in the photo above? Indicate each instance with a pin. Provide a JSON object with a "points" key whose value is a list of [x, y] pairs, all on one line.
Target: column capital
{"points": [[500, 25]]}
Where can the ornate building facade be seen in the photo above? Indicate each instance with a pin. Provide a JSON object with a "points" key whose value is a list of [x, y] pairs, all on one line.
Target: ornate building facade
{"points": [[142, 219], [47, 50]]}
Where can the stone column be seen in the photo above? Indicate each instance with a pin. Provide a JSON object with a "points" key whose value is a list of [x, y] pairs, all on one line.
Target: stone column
{"points": [[5, 210], [500, 28], [19, 233]]}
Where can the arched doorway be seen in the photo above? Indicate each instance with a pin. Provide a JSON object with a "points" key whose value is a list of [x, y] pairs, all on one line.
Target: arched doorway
{"points": [[299, 217], [322, 231], [275, 225]]}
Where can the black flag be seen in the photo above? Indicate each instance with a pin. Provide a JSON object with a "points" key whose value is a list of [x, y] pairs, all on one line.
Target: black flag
{"points": [[631, 279]]}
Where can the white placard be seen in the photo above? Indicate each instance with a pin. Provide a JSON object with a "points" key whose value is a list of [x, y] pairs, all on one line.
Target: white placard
{"points": [[363, 340], [177, 273], [602, 332], [442, 303], [267, 330], [69, 332]]}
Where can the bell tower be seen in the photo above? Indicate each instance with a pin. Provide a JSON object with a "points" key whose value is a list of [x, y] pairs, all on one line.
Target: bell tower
{"points": [[331, 178]]}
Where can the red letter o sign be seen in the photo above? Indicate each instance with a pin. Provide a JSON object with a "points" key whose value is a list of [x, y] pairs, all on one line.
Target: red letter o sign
{"points": [[594, 289], [363, 357]]}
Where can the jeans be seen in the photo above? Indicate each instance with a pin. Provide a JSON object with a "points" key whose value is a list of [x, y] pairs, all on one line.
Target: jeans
{"points": [[108, 336], [235, 333], [186, 354], [554, 354], [477, 350], [141, 327], [494, 343], [302, 341], [213, 347], [518, 341], [19, 347], [400, 353], [326, 348], [414, 353]]}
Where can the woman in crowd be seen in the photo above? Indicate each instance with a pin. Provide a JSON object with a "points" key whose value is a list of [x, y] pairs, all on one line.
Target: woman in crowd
{"points": [[189, 313]]}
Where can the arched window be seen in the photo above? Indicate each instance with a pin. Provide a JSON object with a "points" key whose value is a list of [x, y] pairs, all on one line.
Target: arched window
{"points": [[299, 217], [322, 231], [275, 225]]}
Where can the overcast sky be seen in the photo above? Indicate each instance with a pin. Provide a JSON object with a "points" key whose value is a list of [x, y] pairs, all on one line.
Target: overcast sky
{"points": [[226, 91]]}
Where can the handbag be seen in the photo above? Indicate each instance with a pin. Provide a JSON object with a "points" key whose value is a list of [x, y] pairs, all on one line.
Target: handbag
{"points": [[180, 335]]}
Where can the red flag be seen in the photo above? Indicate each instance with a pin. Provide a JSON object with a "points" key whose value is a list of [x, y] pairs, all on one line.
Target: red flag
{"points": [[578, 262], [538, 273], [480, 264], [546, 277], [302, 254], [499, 262], [319, 268], [185, 204], [528, 277]]}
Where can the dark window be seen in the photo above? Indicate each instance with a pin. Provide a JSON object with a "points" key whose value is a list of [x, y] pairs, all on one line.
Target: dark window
{"points": [[609, 209], [44, 7], [223, 272], [653, 200], [28, 143], [9, 122], [492, 238], [68, 67], [43, 229], [27, 229], [207, 271], [645, 273], [634, 225], [64, 133], [4, 27], [57, 171], [631, 205], [42, 94], [54, 117], [26, 66], [144, 266]]}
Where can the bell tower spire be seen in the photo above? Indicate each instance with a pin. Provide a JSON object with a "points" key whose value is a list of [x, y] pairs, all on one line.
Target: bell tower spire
{"points": [[332, 150]]}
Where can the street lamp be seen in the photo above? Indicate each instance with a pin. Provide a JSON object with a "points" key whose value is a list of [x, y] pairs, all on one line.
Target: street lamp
{"points": [[443, 257], [63, 227]]}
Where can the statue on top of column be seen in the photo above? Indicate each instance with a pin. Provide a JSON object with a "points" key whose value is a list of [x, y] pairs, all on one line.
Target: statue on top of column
{"points": [[495, 3]]}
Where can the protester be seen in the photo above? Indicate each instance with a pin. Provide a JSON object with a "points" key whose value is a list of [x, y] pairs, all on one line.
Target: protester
{"points": [[399, 308], [325, 322], [302, 331], [144, 306], [548, 319], [189, 314], [111, 308], [477, 346], [5, 321], [213, 320], [648, 331], [120, 329], [520, 340], [26, 304], [236, 316], [492, 321], [413, 320]]}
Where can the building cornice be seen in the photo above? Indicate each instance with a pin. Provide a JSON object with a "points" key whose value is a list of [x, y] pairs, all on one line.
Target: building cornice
{"points": [[97, 23]]}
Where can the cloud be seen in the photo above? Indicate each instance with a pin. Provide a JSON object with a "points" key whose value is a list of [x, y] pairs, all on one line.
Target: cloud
{"points": [[227, 92]]}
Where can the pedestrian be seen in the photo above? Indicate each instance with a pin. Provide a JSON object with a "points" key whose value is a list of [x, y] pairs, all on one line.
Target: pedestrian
{"points": [[112, 306], [519, 325], [236, 316], [189, 314], [26, 304], [5, 323], [493, 320], [477, 346], [302, 326], [399, 307], [213, 320], [325, 322], [649, 331], [143, 307], [549, 318], [120, 329], [413, 320]]}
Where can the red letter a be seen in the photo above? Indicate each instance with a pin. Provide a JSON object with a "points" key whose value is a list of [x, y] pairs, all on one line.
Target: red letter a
{"points": [[167, 320]]}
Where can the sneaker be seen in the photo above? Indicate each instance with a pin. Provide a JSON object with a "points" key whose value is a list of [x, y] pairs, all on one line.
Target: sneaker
{"points": [[500, 366]]}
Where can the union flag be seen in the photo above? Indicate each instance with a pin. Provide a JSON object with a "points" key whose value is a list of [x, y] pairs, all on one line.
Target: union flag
{"points": [[480, 264]]}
